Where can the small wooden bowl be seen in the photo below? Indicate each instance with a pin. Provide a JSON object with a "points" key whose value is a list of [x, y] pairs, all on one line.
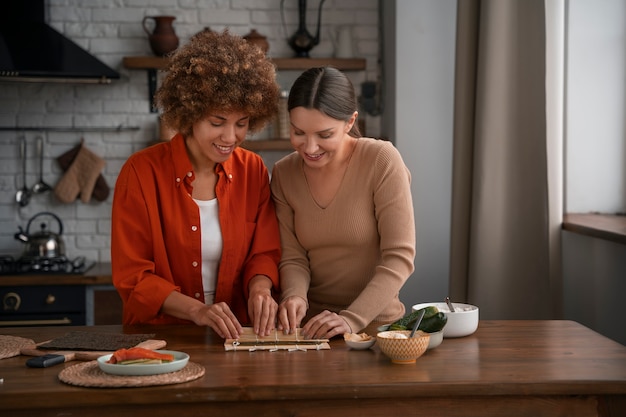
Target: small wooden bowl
{"points": [[403, 350]]}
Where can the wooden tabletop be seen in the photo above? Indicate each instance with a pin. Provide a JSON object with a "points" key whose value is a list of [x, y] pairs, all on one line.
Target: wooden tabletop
{"points": [[512, 368]]}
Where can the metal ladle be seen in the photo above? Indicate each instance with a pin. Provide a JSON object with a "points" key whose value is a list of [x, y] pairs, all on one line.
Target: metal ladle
{"points": [[40, 186], [23, 194]]}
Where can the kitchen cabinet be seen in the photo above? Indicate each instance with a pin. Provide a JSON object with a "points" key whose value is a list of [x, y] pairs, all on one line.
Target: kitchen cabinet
{"points": [[42, 305], [60, 299], [104, 305]]}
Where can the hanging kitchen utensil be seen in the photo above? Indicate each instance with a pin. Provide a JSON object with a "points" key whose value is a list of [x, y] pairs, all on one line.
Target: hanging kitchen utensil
{"points": [[44, 243], [23, 194], [41, 186]]}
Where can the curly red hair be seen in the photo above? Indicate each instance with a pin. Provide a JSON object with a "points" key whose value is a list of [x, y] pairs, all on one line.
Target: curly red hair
{"points": [[217, 72]]}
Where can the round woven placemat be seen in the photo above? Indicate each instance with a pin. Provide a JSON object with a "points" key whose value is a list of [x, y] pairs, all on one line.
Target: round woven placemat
{"points": [[89, 374], [10, 345]]}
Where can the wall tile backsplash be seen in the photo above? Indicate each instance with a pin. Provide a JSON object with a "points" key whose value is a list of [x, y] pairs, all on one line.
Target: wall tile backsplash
{"points": [[110, 31]]}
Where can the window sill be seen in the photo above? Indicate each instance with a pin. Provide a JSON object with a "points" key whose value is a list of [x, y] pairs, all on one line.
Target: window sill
{"points": [[602, 226]]}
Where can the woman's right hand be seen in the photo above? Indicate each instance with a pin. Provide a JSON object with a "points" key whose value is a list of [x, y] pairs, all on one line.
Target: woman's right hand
{"points": [[291, 311], [220, 318]]}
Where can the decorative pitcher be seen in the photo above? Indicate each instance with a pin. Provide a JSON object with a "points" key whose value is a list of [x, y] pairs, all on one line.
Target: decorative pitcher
{"points": [[257, 39], [302, 41], [163, 39]]}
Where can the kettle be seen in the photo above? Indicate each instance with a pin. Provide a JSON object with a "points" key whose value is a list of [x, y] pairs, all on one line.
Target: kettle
{"points": [[42, 243]]}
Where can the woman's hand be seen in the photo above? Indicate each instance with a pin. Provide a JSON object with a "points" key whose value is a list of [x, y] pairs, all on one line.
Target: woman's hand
{"points": [[220, 318], [325, 325], [262, 307], [290, 313]]}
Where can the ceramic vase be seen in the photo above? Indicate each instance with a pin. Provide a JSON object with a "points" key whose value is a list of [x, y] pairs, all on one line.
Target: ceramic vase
{"points": [[163, 39]]}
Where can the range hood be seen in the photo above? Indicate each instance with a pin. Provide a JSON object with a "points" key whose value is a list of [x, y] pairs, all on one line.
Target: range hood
{"points": [[33, 51]]}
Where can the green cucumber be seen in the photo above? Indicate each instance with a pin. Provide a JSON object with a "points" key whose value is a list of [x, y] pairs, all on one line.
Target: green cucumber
{"points": [[408, 321], [434, 323]]}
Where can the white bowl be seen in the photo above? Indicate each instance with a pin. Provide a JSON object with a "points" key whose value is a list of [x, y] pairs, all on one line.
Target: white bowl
{"points": [[463, 322], [383, 328], [355, 341], [435, 339]]}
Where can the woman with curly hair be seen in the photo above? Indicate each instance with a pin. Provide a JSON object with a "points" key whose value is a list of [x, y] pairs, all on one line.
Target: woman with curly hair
{"points": [[194, 233]]}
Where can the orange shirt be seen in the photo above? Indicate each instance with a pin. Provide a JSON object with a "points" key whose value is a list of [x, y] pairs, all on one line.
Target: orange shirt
{"points": [[156, 236]]}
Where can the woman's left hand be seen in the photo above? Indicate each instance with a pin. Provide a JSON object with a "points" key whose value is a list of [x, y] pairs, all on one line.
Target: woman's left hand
{"points": [[262, 307], [325, 325]]}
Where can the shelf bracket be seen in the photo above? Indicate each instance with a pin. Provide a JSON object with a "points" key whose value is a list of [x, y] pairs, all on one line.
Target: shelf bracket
{"points": [[152, 83]]}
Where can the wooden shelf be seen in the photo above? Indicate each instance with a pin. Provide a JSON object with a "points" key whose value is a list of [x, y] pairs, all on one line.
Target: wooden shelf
{"points": [[154, 63], [144, 62], [267, 145], [344, 64], [602, 226]]}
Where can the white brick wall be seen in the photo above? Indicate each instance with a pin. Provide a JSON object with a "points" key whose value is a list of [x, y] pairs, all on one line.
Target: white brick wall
{"points": [[111, 30]]}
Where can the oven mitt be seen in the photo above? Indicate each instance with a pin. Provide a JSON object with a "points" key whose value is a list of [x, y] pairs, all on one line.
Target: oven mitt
{"points": [[101, 189], [80, 178]]}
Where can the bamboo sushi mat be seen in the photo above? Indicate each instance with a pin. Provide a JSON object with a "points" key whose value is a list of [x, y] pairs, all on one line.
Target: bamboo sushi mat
{"points": [[11, 345], [89, 374], [274, 342]]}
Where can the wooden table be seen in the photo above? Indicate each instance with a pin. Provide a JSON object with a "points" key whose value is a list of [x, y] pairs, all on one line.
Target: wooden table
{"points": [[507, 368]]}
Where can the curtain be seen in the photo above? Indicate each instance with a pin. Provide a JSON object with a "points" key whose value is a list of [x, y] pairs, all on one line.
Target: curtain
{"points": [[507, 158]]}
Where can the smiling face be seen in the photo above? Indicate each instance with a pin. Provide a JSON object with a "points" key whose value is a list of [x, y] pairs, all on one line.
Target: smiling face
{"points": [[215, 137], [319, 139]]}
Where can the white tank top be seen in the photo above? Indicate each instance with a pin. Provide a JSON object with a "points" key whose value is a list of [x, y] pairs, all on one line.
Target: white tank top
{"points": [[211, 243]]}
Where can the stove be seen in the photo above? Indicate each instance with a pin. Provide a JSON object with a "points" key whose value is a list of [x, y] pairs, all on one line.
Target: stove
{"points": [[44, 265]]}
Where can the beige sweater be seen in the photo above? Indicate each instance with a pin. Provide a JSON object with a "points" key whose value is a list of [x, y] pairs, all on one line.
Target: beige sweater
{"points": [[353, 256]]}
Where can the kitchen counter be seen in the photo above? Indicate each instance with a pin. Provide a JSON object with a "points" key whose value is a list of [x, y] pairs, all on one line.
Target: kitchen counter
{"points": [[99, 274], [506, 368]]}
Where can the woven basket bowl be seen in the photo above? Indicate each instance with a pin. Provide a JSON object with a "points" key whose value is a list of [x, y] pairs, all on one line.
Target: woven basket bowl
{"points": [[403, 351]]}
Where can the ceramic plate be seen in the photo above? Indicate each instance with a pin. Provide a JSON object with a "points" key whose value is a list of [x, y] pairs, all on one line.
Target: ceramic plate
{"points": [[179, 362]]}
